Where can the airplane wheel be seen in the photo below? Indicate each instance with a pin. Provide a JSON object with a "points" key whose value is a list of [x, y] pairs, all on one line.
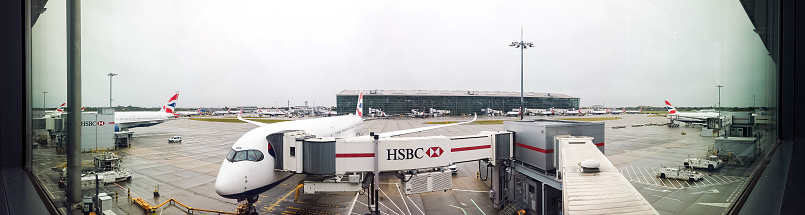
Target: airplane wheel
{"points": [[662, 175], [687, 165], [692, 180], [710, 167]]}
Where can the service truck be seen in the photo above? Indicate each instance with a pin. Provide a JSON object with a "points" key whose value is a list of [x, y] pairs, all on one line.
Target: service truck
{"points": [[711, 163], [680, 174]]}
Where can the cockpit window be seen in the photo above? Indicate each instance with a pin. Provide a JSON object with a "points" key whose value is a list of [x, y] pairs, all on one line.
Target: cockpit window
{"points": [[250, 155], [231, 155]]}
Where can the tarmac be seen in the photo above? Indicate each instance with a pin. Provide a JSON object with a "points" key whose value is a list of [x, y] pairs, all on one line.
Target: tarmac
{"points": [[187, 171]]}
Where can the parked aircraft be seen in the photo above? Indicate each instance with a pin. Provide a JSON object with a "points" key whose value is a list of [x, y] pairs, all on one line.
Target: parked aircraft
{"points": [[190, 113], [247, 169], [689, 117], [635, 111], [126, 120]]}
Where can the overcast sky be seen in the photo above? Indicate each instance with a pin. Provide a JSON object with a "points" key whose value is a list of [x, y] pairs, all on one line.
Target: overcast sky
{"points": [[233, 53]]}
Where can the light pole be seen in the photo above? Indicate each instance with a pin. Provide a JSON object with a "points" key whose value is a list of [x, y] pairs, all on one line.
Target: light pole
{"points": [[110, 87], [44, 100], [521, 45], [719, 99]]}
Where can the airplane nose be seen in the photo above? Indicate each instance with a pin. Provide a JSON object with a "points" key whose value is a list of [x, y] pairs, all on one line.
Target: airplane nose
{"points": [[224, 185]]}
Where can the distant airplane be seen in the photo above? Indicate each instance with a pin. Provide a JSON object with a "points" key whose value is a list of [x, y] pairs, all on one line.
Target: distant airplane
{"points": [[635, 111], [190, 113], [514, 112], [252, 157], [599, 112], [689, 117], [576, 112], [227, 111], [618, 111], [126, 120], [547, 112], [58, 112]]}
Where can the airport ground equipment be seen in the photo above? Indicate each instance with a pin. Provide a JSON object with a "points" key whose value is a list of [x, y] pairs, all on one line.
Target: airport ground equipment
{"points": [[680, 174], [711, 163], [175, 139]]}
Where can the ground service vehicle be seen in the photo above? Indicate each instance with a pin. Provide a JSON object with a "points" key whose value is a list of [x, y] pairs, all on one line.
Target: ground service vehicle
{"points": [[175, 139], [680, 174], [711, 163]]}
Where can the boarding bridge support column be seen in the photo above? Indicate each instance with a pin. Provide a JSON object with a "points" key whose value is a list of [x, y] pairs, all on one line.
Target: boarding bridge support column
{"points": [[496, 187], [74, 99], [376, 182]]}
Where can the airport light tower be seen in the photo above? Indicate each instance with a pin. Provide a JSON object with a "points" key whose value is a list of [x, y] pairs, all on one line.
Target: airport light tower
{"points": [[44, 101], [521, 45], [719, 99], [110, 87]]}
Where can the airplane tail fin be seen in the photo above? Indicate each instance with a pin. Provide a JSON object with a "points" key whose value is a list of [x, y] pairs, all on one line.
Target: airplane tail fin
{"points": [[60, 109], [170, 106], [671, 109], [641, 110], [359, 109], [82, 109]]}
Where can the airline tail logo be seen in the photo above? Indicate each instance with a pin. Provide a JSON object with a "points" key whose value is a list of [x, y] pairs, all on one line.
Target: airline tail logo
{"points": [[359, 109], [671, 109], [171, 105], [198, 111], [61, 108], [641, 110]]}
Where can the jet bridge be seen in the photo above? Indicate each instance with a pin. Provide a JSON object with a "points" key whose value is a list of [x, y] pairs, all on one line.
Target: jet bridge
{"points": [[342, 164]]}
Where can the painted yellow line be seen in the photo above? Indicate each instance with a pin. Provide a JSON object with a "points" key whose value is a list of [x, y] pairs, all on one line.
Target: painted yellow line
{"points": [[275, 204]]}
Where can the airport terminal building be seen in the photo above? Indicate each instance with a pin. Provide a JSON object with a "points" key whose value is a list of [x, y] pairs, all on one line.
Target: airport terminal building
{"points": [[458, 102]]}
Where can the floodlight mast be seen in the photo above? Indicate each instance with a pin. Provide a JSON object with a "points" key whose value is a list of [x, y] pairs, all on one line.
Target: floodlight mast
{"points": [[521, 45]]}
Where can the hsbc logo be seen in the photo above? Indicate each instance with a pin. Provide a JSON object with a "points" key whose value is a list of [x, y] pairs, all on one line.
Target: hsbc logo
{"points": [[418, 153], [93, 123], [434, 152]]}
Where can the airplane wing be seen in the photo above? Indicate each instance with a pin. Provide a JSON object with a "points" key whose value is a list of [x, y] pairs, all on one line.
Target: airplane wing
{"points": [[252, 122], [414, 130]]}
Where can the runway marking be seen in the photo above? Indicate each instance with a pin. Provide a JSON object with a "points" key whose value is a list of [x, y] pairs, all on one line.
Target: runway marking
{"points": [[462, 209], [392, 201], [667, 198], [352, 205], [721, 205], [479, 208], [275, 204], [477, 191], [403, 199], [412, 202]]}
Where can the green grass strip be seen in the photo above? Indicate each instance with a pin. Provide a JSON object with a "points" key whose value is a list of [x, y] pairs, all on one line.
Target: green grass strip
{"points": [[491, 122], [591, 119], [445, 122], [235, 120]]}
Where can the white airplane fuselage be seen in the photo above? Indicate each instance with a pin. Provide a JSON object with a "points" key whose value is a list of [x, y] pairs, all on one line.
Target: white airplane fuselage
{"points": [[245, 179], [125, 120]]}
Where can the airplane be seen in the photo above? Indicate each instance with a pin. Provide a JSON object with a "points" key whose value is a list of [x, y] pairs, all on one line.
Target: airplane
{"points": [[190, 113], [58, 112], [227, 111], [618, 111], [514, 112], [576, 112], [635, 111], [547, 112], [246, 171], [688, 117], [599, 112], [126, 120]]}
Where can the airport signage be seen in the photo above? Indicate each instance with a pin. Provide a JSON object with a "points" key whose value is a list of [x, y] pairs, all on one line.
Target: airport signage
{"points": [[93, 123], [412, 153]]}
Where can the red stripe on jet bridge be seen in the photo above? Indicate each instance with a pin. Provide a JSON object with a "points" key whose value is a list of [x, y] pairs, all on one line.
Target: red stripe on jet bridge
{"points": [[535, 148], [111, 123], [599, 144], [470, 148], [355, 155]]}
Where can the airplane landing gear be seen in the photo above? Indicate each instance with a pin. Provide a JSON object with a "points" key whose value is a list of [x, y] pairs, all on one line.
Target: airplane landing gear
{"points": [[247, 207]]}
